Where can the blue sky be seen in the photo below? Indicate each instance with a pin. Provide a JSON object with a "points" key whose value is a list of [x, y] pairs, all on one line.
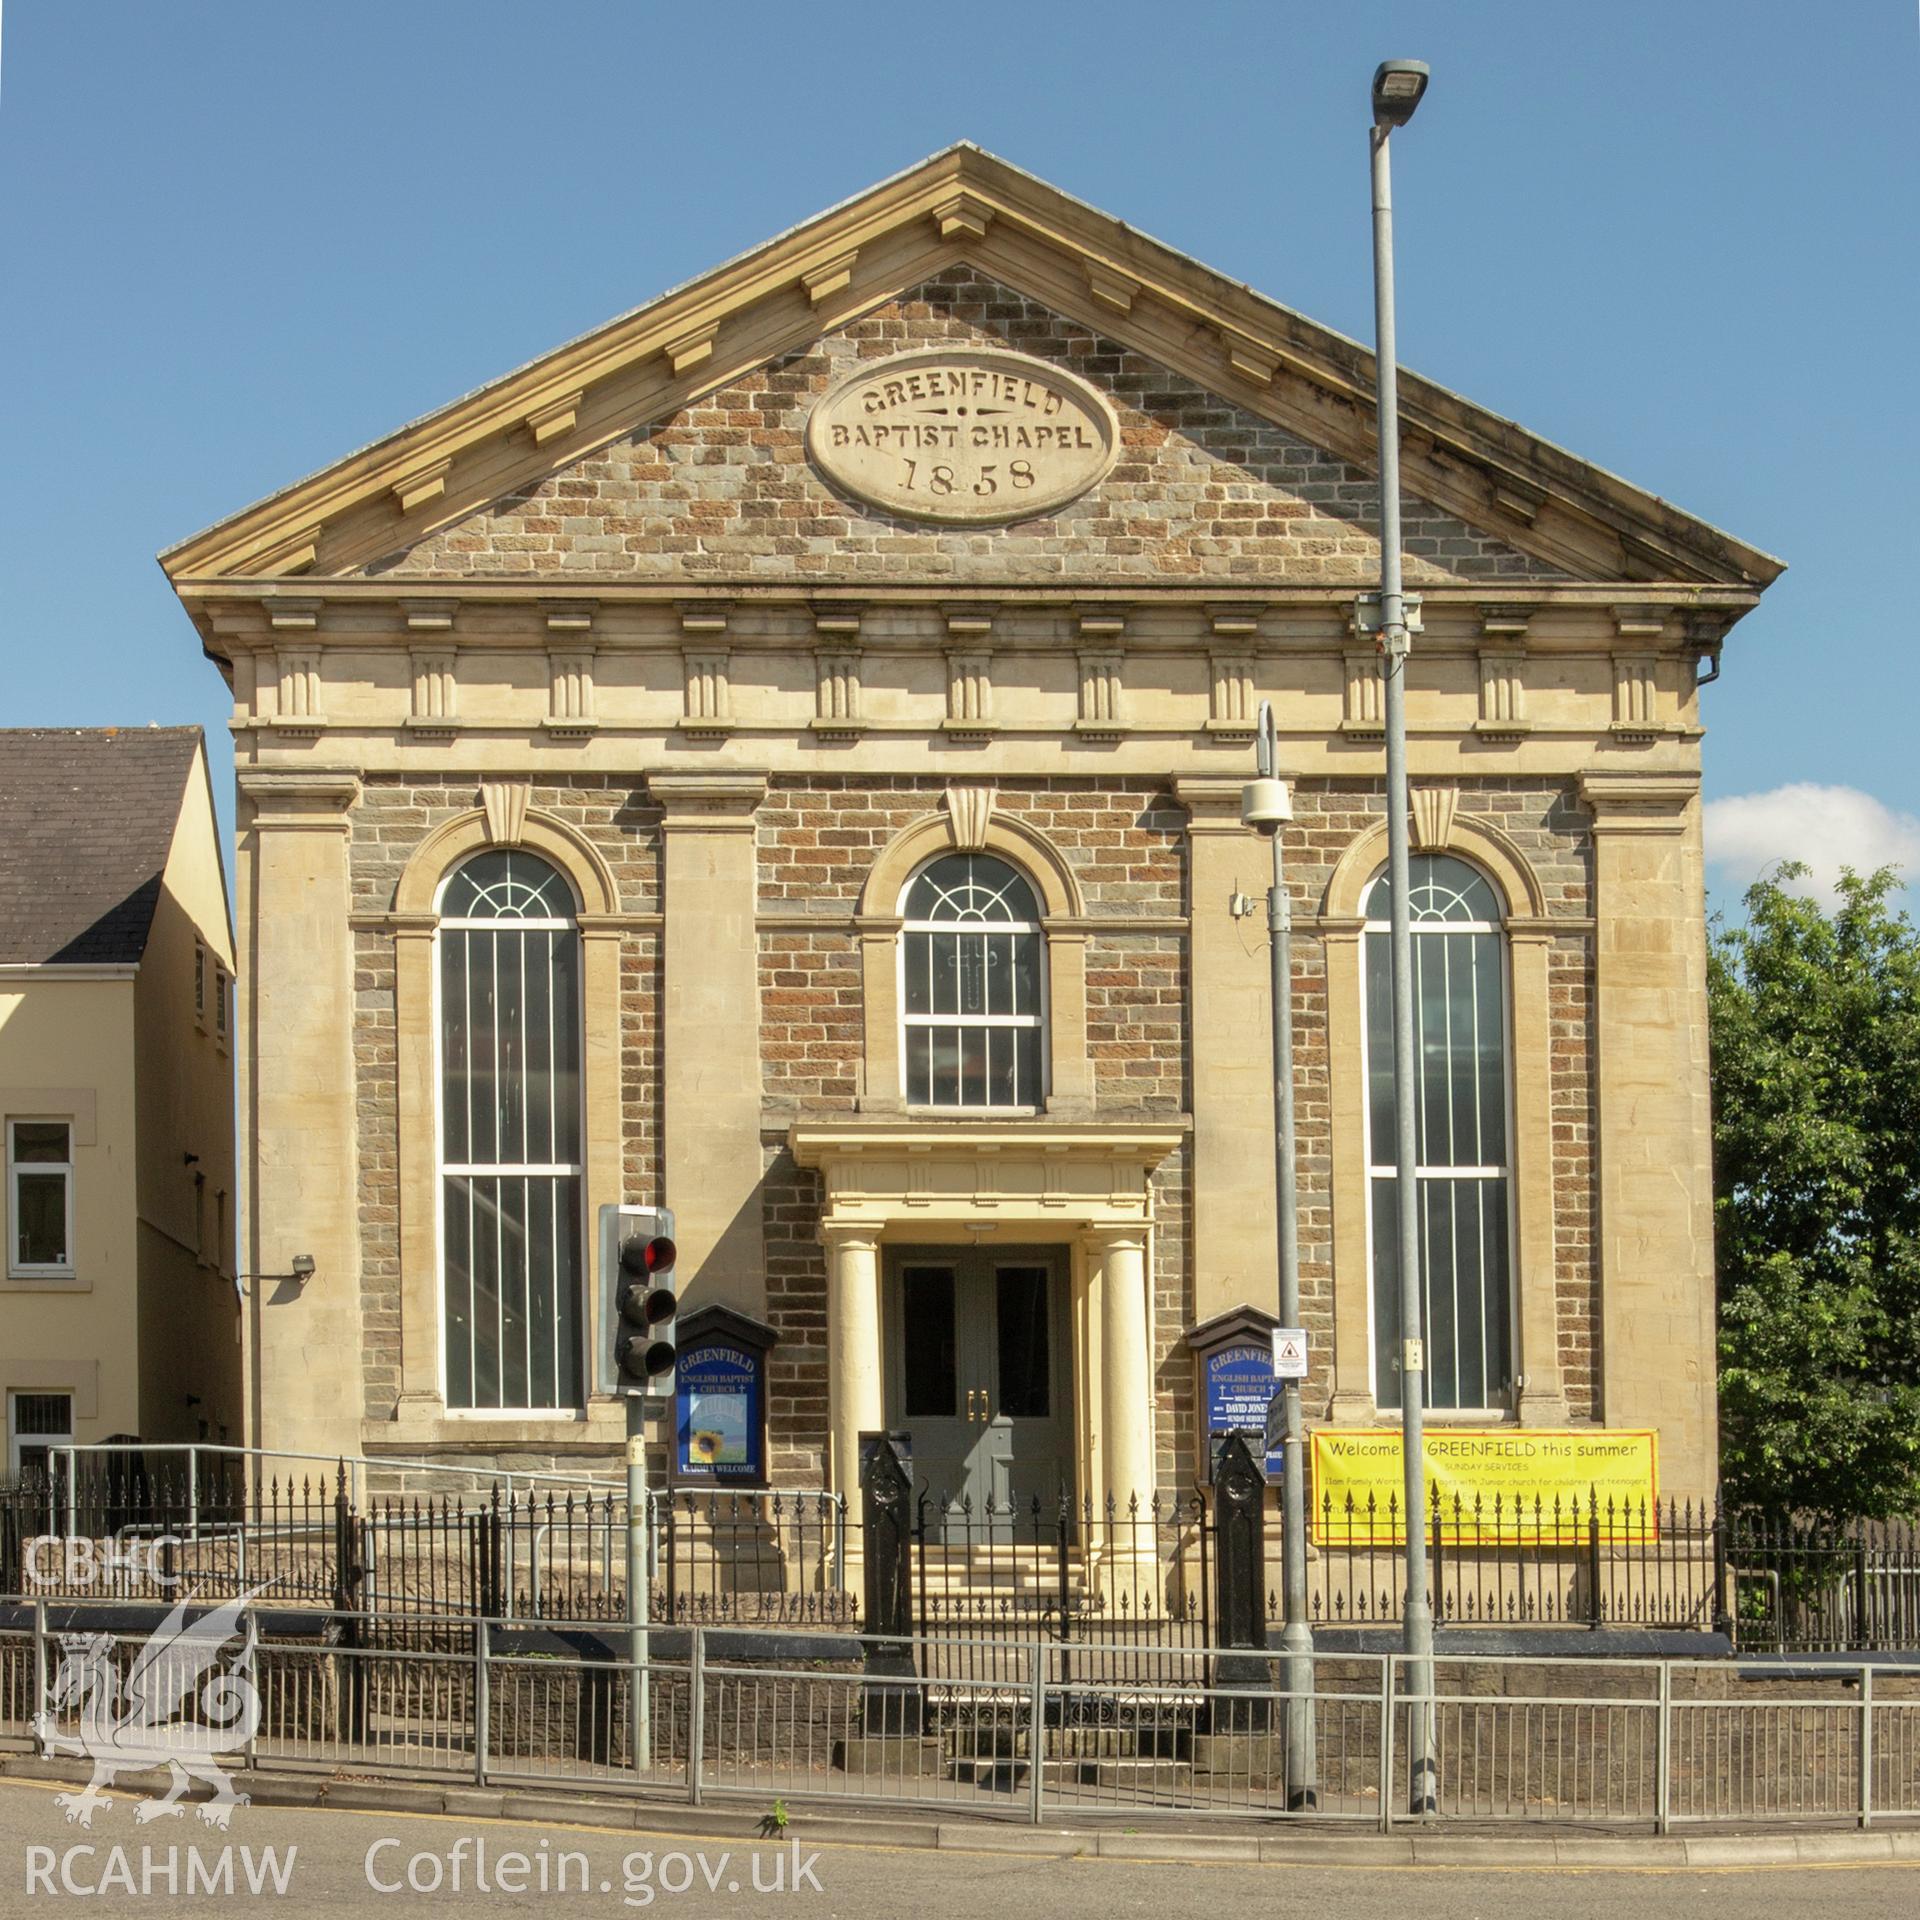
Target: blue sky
{"points": [[237, 240]]}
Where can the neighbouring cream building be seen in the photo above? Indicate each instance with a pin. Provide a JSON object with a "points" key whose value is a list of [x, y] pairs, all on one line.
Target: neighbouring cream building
{"points": [[780, 756], [119, 1310]]}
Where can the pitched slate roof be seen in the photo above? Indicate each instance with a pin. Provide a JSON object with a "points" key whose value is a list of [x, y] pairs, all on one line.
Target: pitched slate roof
{"points": [[86, 821]]}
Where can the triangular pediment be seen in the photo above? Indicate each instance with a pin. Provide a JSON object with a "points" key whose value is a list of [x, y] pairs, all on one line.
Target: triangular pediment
{"points": [[1177, 483], [1202, 373]]}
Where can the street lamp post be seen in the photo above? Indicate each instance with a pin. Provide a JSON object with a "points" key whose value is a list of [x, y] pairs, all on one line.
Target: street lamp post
{"points": [[1267, 805], [1397, 87]]}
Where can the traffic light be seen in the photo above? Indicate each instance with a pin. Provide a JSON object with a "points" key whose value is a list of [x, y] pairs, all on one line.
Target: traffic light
{"points": [[638, 1301]]}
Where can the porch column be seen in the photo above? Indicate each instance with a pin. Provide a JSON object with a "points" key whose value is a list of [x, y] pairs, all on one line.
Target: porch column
{"points": [[1126, 1399], [855, 1400]]}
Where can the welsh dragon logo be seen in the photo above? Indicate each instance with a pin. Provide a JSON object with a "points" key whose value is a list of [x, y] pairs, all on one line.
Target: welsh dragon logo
{"points": [[177, 1708]]}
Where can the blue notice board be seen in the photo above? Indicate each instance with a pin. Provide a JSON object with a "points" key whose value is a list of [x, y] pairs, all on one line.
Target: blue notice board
{"points": [[1239, 1383], [720, 1427]]}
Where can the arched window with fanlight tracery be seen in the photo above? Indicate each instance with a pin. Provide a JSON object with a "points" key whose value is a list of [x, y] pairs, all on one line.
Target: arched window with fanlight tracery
{"points": [[972, 960], [1462, 1112], [510, 1135]]}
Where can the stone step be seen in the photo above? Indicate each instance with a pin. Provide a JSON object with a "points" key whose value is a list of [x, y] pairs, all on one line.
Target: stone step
{"points": [[1045, 1552], [1000, 1580], [1067, 1743], [1131, 1774]]}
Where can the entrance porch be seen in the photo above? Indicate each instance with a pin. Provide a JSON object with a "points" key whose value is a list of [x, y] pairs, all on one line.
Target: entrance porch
{"points": [[978, 1272]]}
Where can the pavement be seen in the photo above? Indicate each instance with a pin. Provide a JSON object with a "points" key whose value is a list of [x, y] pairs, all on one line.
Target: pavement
{"points": [[313, 1845], [325, 1860]]}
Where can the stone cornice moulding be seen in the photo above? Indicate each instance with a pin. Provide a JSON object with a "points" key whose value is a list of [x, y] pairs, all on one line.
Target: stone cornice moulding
{"points": [[707, 802], [1632, 802], [424, 484], [1315, 618], [985, 1176], [1003, 220], [290, 800], [1102, 1143], [1212, 801]]}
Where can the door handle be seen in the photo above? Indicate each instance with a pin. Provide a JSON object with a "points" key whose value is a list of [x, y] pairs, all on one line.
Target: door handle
{"points": [[971, 1391]]}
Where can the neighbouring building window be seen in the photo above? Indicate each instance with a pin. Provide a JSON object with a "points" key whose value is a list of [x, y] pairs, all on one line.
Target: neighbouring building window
{"points": [[972, 995], [40, 1196], [36, 1424], [510, 1134], [200, 985], [1463, 1159], [222, 986]]}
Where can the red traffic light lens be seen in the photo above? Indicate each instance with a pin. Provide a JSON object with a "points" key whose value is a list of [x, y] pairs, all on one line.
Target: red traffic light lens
{"points": [[660, 1253]]}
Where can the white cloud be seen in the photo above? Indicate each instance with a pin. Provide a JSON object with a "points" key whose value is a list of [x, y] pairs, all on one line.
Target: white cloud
{"points": [[1827, 828]]}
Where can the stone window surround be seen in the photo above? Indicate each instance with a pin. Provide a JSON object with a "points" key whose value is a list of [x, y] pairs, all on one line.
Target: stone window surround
{"points": [[421, 1415], [1540, 1396], [878, 925]]}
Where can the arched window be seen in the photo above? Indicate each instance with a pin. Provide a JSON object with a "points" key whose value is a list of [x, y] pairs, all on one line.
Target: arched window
{"points": [[510, 1134], [1463, 1156], [971, 958]]}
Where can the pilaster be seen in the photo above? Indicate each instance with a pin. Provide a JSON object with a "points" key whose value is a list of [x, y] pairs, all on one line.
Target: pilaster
{"points": [[297, 1116], [1541, 1399], [1352, 1402], [710, 1031], [1654, 1150], [1230, 1027]]}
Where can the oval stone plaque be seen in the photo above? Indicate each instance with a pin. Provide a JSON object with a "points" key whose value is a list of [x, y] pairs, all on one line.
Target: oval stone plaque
{"points": [[966, 435]]}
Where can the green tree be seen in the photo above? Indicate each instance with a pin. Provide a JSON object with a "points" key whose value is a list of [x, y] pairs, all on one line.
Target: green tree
{"points": [[1816, 1128]]}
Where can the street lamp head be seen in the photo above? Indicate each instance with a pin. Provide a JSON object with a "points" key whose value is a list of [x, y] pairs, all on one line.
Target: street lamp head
{"points": [[1397, 87]]}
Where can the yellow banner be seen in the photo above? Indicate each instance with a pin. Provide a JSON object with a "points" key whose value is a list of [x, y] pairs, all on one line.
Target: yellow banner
{"points": [[1511, 1484]]}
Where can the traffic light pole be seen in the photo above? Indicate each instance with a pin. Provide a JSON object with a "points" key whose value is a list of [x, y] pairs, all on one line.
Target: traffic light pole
{"points": [[639, 1297], [639, 1606]]}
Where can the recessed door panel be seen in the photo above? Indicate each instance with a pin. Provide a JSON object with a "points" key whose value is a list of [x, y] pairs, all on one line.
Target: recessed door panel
{"points": [[977, 1373]]}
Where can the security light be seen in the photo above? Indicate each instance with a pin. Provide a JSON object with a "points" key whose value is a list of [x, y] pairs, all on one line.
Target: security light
{"points": [[1397, 87]]}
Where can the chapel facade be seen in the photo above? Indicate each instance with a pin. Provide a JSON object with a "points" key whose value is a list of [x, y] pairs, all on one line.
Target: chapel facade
{"points": [[779, 756]]}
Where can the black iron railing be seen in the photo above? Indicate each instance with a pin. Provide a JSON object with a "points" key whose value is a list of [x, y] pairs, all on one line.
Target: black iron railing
{"points": [[1503, 1562], [1121, 1575]]}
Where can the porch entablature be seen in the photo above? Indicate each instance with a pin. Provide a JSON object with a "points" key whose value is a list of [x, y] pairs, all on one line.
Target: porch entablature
{"points": [[926, 1176]]}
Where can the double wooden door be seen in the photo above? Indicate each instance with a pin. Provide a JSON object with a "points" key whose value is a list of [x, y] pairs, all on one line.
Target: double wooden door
{"points": [[978, 1374]]}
